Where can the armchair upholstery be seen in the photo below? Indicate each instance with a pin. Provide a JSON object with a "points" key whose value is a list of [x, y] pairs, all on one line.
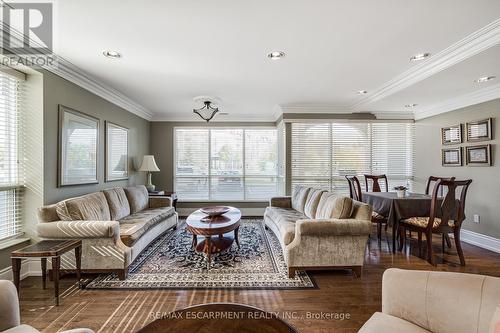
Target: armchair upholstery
{"points": [[10, 320], [440, 302], [323, 231]]}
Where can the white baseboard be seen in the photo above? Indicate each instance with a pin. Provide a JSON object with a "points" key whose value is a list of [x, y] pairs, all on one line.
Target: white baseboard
{"points": [[480, 240], [29, 267]]}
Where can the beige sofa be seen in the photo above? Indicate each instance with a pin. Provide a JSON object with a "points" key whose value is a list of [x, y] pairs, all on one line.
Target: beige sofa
{"points": [[10, 319], [320, 230], [440, 302], [115, 226]]}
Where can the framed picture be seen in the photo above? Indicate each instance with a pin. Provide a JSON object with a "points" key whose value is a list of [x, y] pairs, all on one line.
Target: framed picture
{"points": [[451, 156], [451, 135], [478, 155], [116, 152], [78, 147], [479, 130]]}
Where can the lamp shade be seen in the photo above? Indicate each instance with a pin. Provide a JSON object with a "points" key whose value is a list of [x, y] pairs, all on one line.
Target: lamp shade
{"points": [[148, 164]]}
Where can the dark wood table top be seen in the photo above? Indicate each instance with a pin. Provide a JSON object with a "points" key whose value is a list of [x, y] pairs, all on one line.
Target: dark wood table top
{"points": [[393, 195], [47, 248], [199, 223], [219, 318]]}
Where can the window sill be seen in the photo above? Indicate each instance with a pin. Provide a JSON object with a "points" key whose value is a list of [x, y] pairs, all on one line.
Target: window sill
{"points": [[222, 201], [11, 242]]}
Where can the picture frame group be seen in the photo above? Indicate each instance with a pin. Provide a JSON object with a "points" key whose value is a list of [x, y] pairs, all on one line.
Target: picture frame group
{"points": [[477, 155], [78, 151]]}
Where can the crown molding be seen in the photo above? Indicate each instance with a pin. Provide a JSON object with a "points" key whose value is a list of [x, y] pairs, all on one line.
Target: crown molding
{"points": [[315, 108], [469, 46], [68, 71], [475, 97]]}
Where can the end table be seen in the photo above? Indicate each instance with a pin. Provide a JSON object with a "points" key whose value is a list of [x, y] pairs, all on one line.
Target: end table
{"points": [[48, 249], [171, 195]]}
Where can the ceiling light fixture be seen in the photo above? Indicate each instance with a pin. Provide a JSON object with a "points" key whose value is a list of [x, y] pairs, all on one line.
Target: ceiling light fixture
{"points": [[207, 112], [275, 55], [410, 105], [112, 54], [420, 56], [485, 79], [362, 92]]}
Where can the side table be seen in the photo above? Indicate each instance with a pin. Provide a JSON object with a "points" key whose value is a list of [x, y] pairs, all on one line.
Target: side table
{"points": [[48, 249], [171, 195]]}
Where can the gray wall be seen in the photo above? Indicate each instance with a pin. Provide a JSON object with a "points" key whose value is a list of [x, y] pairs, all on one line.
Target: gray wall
{"points": [[484, 193], [162, 147], [60, 91]]}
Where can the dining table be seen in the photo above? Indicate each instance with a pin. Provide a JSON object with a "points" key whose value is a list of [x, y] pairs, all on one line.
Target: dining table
{"points": [[396, 208]]}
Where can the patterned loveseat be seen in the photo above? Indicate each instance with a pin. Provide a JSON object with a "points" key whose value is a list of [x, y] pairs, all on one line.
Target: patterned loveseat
{"points": [[115, 225], [320, 230]]}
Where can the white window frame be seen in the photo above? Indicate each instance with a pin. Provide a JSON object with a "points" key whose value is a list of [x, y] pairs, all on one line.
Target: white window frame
{"points": [[209, 176]]}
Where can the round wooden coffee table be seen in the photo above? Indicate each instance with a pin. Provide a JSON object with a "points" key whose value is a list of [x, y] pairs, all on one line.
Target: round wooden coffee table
{"points": [[219, 317], [215, 230]]}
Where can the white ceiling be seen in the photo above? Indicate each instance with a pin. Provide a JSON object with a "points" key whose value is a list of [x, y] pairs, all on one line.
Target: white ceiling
{"points": [[176, 50]]}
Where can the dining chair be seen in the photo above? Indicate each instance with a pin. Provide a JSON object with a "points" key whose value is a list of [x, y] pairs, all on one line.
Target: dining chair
{"points": [[446, 216], [375, 184], [433, 179], [356, 194]]}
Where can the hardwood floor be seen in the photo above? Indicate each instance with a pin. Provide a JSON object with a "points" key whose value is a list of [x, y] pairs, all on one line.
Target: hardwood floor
{"points": [[338, 293]]}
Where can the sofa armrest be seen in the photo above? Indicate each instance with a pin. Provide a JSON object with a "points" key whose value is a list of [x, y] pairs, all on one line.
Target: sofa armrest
{"points": [[159, 202], [79, 229], [333, 227], [281, 202]]}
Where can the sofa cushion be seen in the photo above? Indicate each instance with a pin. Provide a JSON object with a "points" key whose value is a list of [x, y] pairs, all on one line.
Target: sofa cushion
{"points": [[381, 322], [134, 226], [312, 202], [334, 206], [284, 219], [117, 202], [495, 321], [90, 207], [138, 198], [299, 197]]}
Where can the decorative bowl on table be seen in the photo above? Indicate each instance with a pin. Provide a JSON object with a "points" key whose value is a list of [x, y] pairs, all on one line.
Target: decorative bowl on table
{"points": [[215, 210]]}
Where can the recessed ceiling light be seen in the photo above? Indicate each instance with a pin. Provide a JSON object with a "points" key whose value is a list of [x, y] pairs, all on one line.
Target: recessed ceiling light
{"points": [[420, 56], [485, 79], [112, 54], [275, 55], [410, 105], [362, 92]]}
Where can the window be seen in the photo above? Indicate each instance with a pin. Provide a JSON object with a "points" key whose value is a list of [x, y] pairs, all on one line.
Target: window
{"points": [[324, 153], [226, 163], [11, 177]]}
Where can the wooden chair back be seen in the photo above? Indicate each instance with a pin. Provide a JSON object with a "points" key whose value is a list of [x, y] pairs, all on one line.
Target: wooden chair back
{"points": [[433, 179], [451, 207], [375, 183], [354, 188]]}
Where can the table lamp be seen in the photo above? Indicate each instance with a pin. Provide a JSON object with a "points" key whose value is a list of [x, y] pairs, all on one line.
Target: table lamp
{"points": [[149, 165]]}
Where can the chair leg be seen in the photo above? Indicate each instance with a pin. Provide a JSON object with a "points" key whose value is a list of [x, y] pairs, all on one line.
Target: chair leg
{"points": [[458, 244], [430, 255], [402, 236], [379, 230], [386, 225], [442, 243], [448, 241], [420, 243]]}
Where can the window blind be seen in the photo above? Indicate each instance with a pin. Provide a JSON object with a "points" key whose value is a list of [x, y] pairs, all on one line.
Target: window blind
{"points": [[11, 175], [225, 163], [324, 153]]}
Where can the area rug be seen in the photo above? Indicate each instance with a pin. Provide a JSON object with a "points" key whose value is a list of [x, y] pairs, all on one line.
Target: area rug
{"points": [[171, 263]]}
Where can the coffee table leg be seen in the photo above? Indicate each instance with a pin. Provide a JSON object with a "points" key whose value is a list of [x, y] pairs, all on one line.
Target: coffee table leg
{"points": [[195, 241], [78, 257], [44, 273], [208, 244], [16, 272], [56, 264], [236, 238]]}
